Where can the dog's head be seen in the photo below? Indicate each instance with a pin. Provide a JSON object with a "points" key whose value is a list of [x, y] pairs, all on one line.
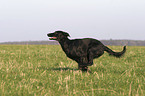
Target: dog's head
{"points": [[58, 35]]}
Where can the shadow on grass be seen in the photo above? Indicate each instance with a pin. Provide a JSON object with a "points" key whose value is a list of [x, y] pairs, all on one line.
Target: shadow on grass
{"points": [[67, 68], [58, 69], [63, 69]]}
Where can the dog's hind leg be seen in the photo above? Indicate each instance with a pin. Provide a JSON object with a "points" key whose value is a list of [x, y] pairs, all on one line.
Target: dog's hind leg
{"points": [[83, 63]]}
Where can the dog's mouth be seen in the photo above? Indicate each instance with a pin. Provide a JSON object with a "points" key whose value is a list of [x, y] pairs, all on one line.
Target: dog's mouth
{"points": [[53, 38]]}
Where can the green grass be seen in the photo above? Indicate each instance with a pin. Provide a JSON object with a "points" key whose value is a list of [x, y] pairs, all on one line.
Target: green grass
{"points": [[44, 70]]}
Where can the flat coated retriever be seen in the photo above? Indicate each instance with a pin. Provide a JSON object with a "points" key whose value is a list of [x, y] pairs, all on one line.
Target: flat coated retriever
{"points": [[83, 51]]}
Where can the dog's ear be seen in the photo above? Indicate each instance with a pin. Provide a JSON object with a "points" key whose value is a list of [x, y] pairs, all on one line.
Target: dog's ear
{"points": [[66, 34]]}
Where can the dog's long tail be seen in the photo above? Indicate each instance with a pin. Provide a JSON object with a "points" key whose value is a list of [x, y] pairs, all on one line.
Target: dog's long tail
{"points": [[116, 54]]}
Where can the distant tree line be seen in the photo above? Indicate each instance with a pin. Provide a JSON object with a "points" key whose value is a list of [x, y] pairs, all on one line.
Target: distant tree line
{"points": [[124, 42], [105, 42], [32, 43]]}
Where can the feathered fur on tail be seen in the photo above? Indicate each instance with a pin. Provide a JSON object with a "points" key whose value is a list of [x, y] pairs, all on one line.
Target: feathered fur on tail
{"points": [[116, 54]]}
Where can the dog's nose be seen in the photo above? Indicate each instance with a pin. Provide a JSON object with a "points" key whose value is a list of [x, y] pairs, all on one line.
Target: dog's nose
{"points": [[50, 34], [47, 34]]}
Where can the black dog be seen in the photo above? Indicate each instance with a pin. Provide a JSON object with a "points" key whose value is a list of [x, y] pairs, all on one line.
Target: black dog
{"points": [[83, 51]]}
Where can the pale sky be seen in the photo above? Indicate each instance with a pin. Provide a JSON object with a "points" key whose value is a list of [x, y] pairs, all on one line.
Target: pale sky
{"points": [[25, 20]]}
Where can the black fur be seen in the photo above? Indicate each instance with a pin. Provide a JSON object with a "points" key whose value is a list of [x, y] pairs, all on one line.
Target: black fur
{"points": [[83, 51]]}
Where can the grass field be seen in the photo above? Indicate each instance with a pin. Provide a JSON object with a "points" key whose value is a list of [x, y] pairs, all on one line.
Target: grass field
{"points": [[44, 70]]}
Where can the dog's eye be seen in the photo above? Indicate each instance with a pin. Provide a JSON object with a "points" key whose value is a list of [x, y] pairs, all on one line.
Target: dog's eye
{"points": [[56, 33]]}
